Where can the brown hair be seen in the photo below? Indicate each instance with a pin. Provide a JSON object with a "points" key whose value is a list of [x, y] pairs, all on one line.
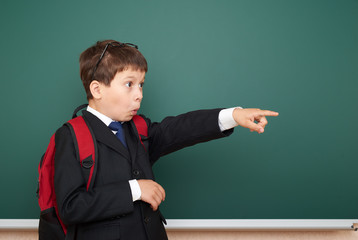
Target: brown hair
{"points": [[116, 59]]}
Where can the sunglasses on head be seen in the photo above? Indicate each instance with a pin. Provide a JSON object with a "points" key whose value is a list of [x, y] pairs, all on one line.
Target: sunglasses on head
{"points": [[112, 44]]}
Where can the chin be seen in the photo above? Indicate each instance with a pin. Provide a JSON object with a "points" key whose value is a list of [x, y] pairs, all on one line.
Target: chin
{"points": [[128, 118]]}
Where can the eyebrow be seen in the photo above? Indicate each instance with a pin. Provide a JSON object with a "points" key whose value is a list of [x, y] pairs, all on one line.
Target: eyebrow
{"points": [[132, 77]]}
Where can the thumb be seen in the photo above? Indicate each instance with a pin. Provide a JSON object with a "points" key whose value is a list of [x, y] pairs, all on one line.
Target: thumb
{"points": [[254, 127]]}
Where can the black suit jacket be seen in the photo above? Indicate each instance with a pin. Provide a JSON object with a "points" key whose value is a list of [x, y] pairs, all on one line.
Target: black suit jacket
{"points": [[107, 210]]}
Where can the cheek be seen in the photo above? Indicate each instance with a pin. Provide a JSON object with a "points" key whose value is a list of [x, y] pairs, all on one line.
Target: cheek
{"points": [[121, 101], [118, 99], [114, 97]]}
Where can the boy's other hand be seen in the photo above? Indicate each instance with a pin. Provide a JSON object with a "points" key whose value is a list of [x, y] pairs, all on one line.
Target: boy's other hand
{"points": [[247, 118], [152, 193]]}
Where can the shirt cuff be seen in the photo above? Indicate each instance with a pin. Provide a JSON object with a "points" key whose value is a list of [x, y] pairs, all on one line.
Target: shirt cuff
{"points": [[226, 120], [136, 192]]}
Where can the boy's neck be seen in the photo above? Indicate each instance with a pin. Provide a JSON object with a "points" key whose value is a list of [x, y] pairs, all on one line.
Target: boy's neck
{"points": [[93, 105], [105, 119]]}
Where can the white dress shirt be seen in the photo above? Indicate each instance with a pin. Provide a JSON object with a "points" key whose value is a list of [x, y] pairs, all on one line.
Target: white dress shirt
{"points": [[226, 121]]}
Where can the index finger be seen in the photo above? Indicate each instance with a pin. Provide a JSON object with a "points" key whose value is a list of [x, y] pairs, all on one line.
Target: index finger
{"points": [[269, 113]]}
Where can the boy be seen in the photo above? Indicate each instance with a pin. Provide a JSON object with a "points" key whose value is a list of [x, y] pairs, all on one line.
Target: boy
{"points": [[124, 200]]}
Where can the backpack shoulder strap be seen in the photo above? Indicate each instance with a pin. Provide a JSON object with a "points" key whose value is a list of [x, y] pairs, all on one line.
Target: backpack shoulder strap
{"points": [[86, 147], [141, 126]]}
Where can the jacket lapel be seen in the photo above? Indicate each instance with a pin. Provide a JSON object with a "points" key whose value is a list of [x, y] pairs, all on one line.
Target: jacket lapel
{"points": [[105, 135]]}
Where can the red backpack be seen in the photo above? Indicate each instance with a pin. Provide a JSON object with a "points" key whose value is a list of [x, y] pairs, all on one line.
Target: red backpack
{"points": [[51, 225]]}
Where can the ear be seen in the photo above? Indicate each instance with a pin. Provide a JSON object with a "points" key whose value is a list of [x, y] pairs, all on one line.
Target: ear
{"points": [[95, 88]]}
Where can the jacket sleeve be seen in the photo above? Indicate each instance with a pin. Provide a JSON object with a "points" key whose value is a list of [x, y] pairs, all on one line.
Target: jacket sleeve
{"points": [[75, 203], [174, 133]]}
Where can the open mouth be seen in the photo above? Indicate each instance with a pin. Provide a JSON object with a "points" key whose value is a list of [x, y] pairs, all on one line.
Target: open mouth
{"points": [[134, 112]]}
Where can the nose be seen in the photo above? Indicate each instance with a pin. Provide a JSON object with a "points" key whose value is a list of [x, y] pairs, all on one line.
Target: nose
{"points": [[138, 94]]}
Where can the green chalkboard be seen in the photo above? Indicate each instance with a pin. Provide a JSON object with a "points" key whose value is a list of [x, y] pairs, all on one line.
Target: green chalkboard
{"points": [[299, 58]]}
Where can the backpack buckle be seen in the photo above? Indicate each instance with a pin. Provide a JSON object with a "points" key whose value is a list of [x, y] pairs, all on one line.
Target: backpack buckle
{"points": [[87, 162]]}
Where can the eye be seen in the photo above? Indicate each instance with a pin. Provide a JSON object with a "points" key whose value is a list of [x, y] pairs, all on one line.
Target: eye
{"points": [[129, 84], [141, 85]]}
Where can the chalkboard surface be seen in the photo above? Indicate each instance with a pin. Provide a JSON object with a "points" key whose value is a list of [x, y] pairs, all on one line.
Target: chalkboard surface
{"points": [[299, 58]]}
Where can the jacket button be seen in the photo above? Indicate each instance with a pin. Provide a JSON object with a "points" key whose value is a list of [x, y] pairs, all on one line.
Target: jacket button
{"points": [[146, 219], [136, 172]]}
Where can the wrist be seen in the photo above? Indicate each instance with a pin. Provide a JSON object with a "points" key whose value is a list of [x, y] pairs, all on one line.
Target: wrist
{"points": [[236, 114], [226, 119]]}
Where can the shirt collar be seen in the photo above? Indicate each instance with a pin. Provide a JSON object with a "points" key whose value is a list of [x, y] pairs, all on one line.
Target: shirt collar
{"points": [[106, 120]]}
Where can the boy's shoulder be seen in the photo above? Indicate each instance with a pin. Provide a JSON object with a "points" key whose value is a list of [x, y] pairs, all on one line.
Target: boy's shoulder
{"points": [[63, 131], [66, 130]]}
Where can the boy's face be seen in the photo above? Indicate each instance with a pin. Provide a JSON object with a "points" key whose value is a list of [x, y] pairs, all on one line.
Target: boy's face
{"points": [[121, 100]]}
